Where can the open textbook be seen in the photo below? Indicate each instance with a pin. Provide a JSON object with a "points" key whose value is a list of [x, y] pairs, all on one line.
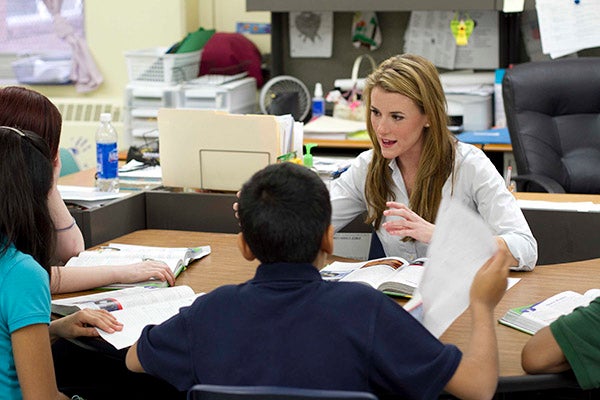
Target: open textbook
{"points": [[391, 275], [533, 317], [177, 258], [135, 307]]}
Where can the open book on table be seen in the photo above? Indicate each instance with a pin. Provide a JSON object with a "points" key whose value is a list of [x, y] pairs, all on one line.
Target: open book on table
{"points": [[135, 307], [533, 317], [177, 258], [394, 276]]}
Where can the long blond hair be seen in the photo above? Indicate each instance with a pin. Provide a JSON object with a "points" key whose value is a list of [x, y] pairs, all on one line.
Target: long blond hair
{"points": [[416, 78]]}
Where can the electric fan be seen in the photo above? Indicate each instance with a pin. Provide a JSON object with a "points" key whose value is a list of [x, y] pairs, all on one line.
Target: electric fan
{"points": [[285, 94]]}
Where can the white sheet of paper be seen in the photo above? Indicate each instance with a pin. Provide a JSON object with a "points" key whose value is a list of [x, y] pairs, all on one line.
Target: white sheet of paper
{"points": [[135, 320], [429, 35], [567, 27], [461, 243], [311, 34]]}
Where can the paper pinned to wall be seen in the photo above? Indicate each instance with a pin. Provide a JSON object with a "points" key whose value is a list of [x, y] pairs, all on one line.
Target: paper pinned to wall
{"points": [[311, 34], [429, 35], [568, 26]]}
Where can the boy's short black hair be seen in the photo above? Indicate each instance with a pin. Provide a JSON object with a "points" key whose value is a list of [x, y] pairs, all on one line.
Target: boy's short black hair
{"points": [[284, 211]]}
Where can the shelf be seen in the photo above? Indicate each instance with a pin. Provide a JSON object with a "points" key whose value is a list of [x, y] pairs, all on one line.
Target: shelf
{"points": [[377, 5], [340, 144]]}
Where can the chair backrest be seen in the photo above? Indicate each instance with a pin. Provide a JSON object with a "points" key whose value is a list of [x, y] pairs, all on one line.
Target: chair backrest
{"points": [[553, 116], [68, 163], [216, 392]]}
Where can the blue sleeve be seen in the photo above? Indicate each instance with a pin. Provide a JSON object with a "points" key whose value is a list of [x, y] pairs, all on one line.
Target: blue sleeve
{"points": [[163, 355], [25, 294], [405, 351]]}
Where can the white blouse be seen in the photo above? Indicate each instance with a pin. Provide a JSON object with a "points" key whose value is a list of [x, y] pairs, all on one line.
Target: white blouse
{"points": [[477, 184]]}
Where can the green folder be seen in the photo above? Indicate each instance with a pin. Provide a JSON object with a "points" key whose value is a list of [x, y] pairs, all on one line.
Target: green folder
{"points": [[194, 41]]}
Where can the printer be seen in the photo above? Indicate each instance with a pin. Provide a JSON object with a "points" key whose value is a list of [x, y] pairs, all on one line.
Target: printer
{"points": [[470, 112], [469, 98], [237, 96]]}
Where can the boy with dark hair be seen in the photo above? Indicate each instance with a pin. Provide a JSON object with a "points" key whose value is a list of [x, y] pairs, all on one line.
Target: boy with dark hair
{"points": [[288, 327]]}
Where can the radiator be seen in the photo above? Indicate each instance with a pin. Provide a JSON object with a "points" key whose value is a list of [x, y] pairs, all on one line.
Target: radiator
{"points": [[81, 118]]}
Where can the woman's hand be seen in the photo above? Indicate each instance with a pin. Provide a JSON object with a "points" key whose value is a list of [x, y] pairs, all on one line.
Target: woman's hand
{"points": [[144, 271], [83, 323], [410, 224]]}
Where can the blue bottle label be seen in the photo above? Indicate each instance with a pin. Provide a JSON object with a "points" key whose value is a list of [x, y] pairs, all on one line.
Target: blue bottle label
{"points": [[107, 159], [318, 107]]}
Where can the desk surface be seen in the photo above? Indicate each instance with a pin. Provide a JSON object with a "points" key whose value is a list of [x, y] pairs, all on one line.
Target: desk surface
{"points": [[366, 144], [225, 265], [87, 177]]}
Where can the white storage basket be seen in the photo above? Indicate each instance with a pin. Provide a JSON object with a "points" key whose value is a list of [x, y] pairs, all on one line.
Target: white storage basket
{"points": [[153, 66]]}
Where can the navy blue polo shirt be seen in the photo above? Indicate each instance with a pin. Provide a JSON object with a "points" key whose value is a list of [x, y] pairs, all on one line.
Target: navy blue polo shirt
{"points": [[289, 327]]}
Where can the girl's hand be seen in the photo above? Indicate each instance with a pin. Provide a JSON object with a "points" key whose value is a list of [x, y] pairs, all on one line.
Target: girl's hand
{"points": [[84, 323]]}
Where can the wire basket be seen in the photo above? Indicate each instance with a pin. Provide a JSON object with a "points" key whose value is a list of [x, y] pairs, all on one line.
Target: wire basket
{"points": [[153, 66]]}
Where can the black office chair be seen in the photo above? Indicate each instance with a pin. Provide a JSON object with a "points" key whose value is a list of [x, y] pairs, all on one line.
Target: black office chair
{"points": [[553, 116], [216, 392]]}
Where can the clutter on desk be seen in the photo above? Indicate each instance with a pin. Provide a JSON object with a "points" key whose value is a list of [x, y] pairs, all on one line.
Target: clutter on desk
{"points": [[43, 69], [86, 196], [137, 175], [333, 128], [349, 104]]}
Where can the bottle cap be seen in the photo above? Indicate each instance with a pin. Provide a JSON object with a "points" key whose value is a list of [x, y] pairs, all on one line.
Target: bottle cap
{"points": [[318, 90], [308, 158], [105, 117]]}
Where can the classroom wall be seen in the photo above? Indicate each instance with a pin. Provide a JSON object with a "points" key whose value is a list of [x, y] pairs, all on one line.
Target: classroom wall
{"points": [[116, 26], [224, 15]]}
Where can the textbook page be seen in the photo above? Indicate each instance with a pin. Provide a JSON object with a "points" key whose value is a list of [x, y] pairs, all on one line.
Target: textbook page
{"points": [[533, 317], [461, 244], [117, 254], [135, 319], [375, 272], [120, 299]]}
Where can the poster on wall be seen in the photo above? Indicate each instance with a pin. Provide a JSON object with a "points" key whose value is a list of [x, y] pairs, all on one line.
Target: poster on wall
{"points": [[311, 34], [429, 34]]}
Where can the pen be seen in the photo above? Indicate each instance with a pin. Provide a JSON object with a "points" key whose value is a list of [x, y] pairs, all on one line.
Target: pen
{"points": [[109, 248], [336, 174], [510, 185]]}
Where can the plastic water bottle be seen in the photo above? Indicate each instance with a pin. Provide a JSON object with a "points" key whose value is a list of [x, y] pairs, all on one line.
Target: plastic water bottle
{"points": [[318, 102], [107, 155]]}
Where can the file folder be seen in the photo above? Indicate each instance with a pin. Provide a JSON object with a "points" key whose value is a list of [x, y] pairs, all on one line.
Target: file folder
{"points": [[215, 150]]}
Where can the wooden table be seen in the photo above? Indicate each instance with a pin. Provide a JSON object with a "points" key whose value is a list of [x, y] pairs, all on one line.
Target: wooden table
{"points": [[225, 265], [539, 284]]}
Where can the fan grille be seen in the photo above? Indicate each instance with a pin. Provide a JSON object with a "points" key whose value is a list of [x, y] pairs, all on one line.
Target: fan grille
{"points": [[285, 95]]}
